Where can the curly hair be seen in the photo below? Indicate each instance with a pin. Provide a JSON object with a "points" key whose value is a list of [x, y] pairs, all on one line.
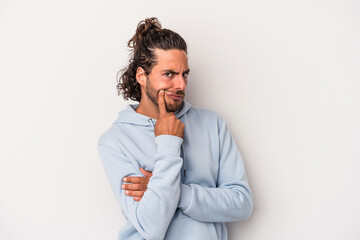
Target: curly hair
{"points": [[148, 36]]}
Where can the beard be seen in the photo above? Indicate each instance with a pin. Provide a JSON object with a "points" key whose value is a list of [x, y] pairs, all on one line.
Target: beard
{"points": [[153, 95]]}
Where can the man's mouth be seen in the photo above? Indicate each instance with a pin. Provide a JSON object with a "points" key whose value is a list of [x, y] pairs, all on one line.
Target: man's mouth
{"points": [[174, 96]]}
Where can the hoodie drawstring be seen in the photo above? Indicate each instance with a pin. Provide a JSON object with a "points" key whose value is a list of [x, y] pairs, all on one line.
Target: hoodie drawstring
{"points": [[182, 154], [151, 121]]}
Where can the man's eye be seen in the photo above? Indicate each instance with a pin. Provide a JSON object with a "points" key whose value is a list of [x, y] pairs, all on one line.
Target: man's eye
{"points": [[168, 74], [185, 75]]}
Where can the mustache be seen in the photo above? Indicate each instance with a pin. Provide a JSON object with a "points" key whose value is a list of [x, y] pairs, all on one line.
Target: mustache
{"points": [[179, 93]]}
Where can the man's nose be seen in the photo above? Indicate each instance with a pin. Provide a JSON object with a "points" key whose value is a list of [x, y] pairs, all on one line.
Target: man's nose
{"points": [[180, 83]]}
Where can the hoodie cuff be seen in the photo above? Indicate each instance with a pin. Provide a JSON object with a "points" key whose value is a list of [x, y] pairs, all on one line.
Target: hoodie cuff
{"points": [[168, 144], [185, 196]]}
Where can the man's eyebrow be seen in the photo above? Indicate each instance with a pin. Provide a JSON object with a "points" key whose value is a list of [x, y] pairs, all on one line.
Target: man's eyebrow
{"points": [[172, 71]]}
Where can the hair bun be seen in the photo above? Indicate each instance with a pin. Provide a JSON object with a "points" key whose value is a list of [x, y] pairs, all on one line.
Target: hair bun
{"points": [[142, 27]]}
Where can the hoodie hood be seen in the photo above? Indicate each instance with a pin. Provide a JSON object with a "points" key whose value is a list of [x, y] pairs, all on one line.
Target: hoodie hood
{"points": [[130, 116]]}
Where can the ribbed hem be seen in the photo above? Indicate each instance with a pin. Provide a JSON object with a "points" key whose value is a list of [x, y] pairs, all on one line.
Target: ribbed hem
{"points": [[168, 144]]}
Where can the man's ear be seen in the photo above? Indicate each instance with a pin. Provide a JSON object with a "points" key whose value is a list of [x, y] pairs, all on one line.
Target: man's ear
{"points": [[141, 76]]}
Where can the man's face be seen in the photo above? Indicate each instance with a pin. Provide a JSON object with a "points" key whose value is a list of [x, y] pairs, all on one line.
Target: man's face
{"points": [[170, 73]]}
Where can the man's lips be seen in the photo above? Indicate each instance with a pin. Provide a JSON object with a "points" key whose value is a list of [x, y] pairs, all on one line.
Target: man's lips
{"points": [[175, 96]]}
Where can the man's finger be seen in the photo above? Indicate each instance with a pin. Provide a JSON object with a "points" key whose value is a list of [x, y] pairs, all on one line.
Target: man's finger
{"points": [[143, 180], [134, 187], [134, 193], [146, 173], [161, 103], [137, 198]]}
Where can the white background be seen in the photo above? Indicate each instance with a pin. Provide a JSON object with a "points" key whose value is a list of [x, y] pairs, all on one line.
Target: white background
{"points": [[284, 74]]}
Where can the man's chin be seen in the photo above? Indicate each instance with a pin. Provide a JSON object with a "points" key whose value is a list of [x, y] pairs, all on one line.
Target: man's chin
{"points": [[174, 106]]}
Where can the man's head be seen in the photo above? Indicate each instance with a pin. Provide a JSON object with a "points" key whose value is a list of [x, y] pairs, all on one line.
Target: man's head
{"points": [[158, 61]]}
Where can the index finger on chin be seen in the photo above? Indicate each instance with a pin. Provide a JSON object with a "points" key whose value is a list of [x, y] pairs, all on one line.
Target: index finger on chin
{"points": [[161, 103]]}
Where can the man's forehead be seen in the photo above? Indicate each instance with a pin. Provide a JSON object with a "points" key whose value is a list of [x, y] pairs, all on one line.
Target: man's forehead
{"points": [[172, 59]]}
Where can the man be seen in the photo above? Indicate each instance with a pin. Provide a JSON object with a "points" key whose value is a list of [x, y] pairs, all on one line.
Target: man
{"points": [[174, 169]]}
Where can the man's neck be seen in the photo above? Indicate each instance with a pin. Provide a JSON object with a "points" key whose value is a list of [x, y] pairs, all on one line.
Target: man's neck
{"points": [[148, 108]]}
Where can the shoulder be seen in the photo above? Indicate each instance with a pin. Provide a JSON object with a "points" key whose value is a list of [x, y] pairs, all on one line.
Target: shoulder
{"points": [[205, 113], [202, 112], [117, 132], [205, 116], [112, 137]]}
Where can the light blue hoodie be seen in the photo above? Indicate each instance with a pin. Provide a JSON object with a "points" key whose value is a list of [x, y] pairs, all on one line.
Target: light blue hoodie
{"points": [[198, 182]]}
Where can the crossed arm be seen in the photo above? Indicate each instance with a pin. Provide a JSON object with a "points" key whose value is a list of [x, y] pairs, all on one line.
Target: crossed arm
{"points": [[230, 201]]}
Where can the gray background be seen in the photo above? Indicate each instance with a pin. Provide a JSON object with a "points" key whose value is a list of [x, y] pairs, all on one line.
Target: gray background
{"points": [[284, 74]]}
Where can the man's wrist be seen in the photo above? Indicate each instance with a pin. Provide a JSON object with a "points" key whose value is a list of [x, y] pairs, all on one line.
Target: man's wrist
{"points": [[168, 144]]}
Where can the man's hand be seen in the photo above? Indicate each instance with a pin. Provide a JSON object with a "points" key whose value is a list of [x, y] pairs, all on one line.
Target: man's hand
{"points": [[167, 124], [137, 185]]}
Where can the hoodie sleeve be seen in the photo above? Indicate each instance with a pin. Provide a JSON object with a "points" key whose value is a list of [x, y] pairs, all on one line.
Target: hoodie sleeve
{"points": [[152, 215], [231, 200]]}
